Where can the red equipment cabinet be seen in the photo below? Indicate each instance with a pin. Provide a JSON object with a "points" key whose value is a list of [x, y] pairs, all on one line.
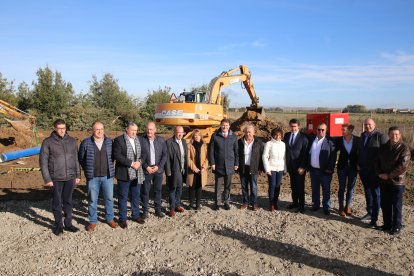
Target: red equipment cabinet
{"points": [[334, 121]]}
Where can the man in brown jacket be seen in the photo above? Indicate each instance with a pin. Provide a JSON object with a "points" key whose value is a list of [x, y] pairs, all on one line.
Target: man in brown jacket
{"points": [[392, 165]]}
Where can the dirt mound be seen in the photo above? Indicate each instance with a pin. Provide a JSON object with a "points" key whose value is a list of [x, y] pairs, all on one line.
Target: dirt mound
{"points": [[11, 139], [263, 125]]}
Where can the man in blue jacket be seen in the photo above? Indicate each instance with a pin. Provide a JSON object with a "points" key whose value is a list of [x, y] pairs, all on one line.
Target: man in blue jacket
{"points": [[95, 157], [322, 158]]}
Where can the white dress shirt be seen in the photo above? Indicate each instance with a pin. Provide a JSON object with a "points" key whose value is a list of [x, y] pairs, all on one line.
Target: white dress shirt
{"points": [[315, 152], [132, 141], [247, 152]]}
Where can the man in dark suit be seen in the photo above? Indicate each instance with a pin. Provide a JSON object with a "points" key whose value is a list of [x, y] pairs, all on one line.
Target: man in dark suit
{"points": [[154, 156], [297, 150], [176, 169], [224, 160], [250, 161], [347, 170], [322, 158], [128, 172], [369, 144]]}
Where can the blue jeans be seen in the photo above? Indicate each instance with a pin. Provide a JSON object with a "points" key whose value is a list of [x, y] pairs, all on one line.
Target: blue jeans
{"points": [[274, 186], [123, 189], [347, 179], [247, 180], [94, 186], [318, 179], [372, 192]]}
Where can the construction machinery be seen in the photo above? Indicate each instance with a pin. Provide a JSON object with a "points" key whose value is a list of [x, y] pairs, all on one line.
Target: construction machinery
{"points": [[203, 110], [18, 119]]}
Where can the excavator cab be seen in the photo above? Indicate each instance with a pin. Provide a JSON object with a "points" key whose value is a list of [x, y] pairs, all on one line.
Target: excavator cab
{"points": [[192, 97]]}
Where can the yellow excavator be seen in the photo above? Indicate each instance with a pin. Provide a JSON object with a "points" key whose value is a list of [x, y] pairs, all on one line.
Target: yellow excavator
{"points": [[204, 109]]}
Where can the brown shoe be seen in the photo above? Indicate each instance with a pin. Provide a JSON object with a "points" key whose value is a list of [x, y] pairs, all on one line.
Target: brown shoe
{"points": [[171, 213], [341, 211], [113, 224], [123, 224], [91, 227], [272, 208], [348, 211], [179, 209], [255, 207], [139, 220], [244, 206]]}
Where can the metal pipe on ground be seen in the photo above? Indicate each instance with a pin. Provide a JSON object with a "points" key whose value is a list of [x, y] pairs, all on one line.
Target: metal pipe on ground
{"points": [[8, 156]]}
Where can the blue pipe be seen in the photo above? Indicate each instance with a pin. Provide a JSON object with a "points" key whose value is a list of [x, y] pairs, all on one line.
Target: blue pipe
{"points": [[8, 156]]}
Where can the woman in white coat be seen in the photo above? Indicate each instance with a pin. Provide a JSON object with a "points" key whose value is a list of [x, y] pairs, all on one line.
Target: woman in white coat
{"points": [[274, 161]]}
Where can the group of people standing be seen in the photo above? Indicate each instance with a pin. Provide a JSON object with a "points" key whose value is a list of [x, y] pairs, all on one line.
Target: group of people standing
{"points": [[139, 162]]}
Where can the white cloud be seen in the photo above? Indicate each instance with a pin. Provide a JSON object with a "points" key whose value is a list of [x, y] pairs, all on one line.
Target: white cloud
{"points": [[399, 57]]}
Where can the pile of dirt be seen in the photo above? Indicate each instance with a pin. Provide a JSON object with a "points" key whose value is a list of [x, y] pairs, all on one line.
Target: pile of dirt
{"points": [[11, 139], [263, 125]]}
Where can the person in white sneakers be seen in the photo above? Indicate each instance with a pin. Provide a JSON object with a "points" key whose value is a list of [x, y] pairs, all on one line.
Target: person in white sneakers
{"points": [[274, 162]]}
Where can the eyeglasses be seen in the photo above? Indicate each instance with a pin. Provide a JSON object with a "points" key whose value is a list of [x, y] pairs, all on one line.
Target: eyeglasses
{"points": [[321, 129]]}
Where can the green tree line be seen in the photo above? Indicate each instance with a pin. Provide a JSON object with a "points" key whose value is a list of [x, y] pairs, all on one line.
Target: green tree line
{"points": [[51, 97]]}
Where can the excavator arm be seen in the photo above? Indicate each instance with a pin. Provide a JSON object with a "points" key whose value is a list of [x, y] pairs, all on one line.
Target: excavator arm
{"points": [[238, 74], [24, 120]]}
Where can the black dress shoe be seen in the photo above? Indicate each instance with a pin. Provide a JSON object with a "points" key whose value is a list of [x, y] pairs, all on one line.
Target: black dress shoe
{"points": [[57, 231], [292, 206], [372, 224], [71, 228], [144, 215], [384, 228], [226, 206], [314, 209], [216, 207], [327, 212], [301, 210], [395, 231], [159, 214]]}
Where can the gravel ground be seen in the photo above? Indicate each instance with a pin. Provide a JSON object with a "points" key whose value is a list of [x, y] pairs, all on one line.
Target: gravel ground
{"points": [[207, 242]]}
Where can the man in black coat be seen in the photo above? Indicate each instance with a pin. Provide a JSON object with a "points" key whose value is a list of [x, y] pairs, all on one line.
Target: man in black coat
{"points": [[154, 156], [224, 160], [61, 172], [128, 172], [250, 164], [297, 151], [176, 169], [369, 144]]}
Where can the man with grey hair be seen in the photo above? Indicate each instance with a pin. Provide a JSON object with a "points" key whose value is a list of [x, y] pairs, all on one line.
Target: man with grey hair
{"points": [[250, 164], [128, 172], [369, 144]]}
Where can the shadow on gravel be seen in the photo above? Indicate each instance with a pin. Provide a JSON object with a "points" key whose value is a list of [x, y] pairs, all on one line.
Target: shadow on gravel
{"points": [[166, 272], [26, 211], [297, 254]]}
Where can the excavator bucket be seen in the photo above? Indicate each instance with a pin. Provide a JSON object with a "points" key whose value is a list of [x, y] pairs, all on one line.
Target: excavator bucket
{"points": [[255, 113], [22, 125]]}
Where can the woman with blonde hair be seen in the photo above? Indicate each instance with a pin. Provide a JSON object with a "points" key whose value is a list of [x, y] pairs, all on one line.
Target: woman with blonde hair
{"points": [[197, 168]]}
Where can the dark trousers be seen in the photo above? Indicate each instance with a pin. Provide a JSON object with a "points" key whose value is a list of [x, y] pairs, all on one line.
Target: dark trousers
{"points": [[195, 191], [249, 182], [175, 189], [318, 179], [62, 196], [154, 180], [274, 186], [297, 184], [372, 192], [222, 180], [123, 190], [347, 179], [391, 204]]}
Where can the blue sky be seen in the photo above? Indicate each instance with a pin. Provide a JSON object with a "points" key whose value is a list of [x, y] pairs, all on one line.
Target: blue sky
{"points": [[301, 53]]}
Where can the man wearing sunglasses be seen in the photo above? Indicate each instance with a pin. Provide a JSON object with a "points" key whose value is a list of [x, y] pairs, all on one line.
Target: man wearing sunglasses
{"points": [[322, 158]]}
